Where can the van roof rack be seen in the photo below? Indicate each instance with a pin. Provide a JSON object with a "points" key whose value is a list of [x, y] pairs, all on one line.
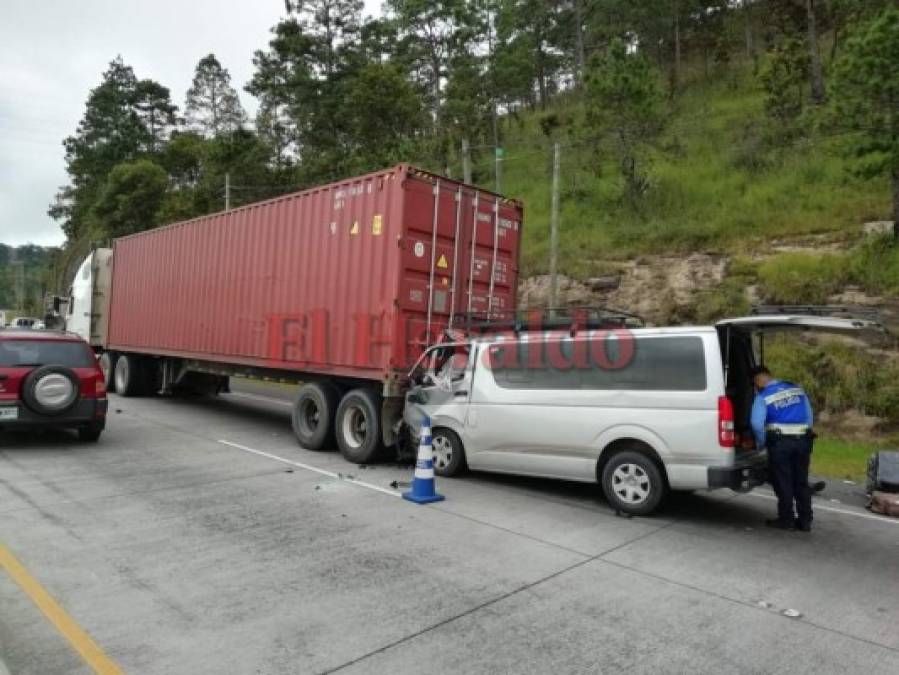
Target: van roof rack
{"points": [[572, 319], [835, 311]]}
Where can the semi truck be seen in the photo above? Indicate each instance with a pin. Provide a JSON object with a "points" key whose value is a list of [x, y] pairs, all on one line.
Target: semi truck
{"points": [[338, 289]]}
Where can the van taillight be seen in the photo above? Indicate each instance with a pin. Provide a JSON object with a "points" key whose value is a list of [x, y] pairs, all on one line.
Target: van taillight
{"points": [[100, 386], [726, 436]]}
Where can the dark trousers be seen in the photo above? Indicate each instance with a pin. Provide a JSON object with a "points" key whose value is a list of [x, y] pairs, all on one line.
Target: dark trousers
{"points": [[788, 462]]}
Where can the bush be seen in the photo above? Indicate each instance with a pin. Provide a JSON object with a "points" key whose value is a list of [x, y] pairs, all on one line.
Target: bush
{"points": [[838, 377], [803, 278], [875, 265]]}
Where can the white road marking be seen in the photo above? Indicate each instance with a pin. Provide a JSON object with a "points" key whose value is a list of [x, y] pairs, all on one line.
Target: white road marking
{"points": [[264, 399], [314, 469], [815, 507]]}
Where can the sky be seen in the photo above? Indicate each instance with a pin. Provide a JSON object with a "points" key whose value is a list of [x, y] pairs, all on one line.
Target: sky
{"points": [[53, 53]]}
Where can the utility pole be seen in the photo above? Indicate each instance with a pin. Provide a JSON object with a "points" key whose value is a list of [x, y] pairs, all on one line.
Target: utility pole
{"points": [[227, 191], [466, 162], [499, 170], [554, 229]]}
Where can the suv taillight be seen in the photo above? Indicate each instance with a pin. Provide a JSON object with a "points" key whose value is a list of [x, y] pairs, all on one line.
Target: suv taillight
{"points": [[100, 386], [726, 436]]}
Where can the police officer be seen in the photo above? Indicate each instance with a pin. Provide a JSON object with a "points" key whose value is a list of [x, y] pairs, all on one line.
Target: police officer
{"points": [[782, 421]]}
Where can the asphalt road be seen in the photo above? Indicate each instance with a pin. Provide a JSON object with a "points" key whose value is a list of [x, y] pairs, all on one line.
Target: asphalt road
{"points": [[197, 537]]}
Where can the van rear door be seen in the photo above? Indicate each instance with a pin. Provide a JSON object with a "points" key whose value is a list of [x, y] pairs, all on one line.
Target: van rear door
{"points": [[742, 345], [771, 322]]}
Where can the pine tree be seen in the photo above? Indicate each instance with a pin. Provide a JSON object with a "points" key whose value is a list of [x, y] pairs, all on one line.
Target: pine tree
{"points": [[624, 107], [212, 105], [123, 119]]}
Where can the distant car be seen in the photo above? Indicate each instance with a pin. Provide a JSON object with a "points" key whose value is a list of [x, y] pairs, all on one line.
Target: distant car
{"points": [[24, 322], [50, 379]]}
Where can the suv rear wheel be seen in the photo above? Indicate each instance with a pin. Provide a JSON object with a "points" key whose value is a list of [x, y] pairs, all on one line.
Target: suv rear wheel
{"points": [[633, 483]]}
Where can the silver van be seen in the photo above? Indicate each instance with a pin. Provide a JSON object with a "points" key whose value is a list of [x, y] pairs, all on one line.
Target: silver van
{"points": [[640, 411]]}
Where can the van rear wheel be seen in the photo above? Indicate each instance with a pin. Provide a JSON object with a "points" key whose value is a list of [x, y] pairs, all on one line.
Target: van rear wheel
{"points": [[633, 483]]}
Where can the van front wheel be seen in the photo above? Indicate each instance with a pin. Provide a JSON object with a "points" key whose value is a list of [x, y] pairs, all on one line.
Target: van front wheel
{"points": [[633, 483], [449, 456]]}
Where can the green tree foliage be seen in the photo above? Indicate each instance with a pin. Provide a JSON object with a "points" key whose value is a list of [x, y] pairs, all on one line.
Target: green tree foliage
{"points": [[624, 108], [386, 117], [339, 94], [156, 112], [213, 106], [130, 198], [784, 77], [866, 98], [24, 278], [302, 80], [112, 130], [432, 33]]}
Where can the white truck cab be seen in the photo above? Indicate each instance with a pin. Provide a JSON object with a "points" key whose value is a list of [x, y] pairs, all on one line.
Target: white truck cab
{"points": [[639, 410]]}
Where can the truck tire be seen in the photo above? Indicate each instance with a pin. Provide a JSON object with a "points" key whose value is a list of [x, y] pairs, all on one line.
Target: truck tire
{"points": [[313, 415], [107, 362], [358, 426], [633, 483], [449, 455], [129, 375]]}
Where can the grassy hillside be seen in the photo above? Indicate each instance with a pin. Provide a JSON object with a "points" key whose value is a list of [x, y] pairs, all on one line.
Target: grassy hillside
{"points": [[722, 175]]}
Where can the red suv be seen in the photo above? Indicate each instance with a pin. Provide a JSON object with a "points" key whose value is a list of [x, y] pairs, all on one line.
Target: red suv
{"points": [[50, 380]]}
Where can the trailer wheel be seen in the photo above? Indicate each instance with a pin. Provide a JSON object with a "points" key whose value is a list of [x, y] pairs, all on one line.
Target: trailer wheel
{"points": [[313, 415], [358, 426], [129, 376], [107, 365]]}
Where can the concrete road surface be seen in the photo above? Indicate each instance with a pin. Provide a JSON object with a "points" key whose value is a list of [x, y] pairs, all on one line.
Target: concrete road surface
{"points": [[197, 537]]}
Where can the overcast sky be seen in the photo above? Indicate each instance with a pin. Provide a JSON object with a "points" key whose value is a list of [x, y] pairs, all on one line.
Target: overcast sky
{"points": [[53, 53]]}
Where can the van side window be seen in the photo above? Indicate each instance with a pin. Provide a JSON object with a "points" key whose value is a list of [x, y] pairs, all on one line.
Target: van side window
{"points": [[666, 363]]}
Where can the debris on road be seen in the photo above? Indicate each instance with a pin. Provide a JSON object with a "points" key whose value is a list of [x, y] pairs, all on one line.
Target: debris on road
{"points": [[792, 613], [884, 503]]}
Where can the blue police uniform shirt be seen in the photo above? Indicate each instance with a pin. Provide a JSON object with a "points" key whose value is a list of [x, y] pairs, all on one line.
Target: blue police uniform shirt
{"points": [[779, 403]]}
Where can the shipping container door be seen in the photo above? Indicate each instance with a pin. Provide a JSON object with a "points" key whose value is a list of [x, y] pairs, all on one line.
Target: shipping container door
{"points": [[460, 255]]}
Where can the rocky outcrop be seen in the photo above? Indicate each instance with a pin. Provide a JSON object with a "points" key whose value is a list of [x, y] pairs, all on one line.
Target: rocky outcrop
{"points": [[648, 286]]}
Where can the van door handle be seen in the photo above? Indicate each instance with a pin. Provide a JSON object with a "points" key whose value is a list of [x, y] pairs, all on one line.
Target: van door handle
{"points": [[460, 393]]}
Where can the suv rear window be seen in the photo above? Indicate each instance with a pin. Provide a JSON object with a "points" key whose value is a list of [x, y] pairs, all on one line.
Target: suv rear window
{"points": [[675, 363], [14, 353]]}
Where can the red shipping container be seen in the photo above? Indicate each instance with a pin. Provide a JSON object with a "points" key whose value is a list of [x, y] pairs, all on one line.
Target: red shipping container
{"points": [[348, 279]]}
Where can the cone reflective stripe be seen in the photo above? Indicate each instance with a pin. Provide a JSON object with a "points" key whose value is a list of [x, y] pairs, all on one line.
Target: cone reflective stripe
{"points": [[423, 490]]}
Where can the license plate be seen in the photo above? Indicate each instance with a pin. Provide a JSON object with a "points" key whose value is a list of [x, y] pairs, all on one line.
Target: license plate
{"points": [[9, 413]]}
